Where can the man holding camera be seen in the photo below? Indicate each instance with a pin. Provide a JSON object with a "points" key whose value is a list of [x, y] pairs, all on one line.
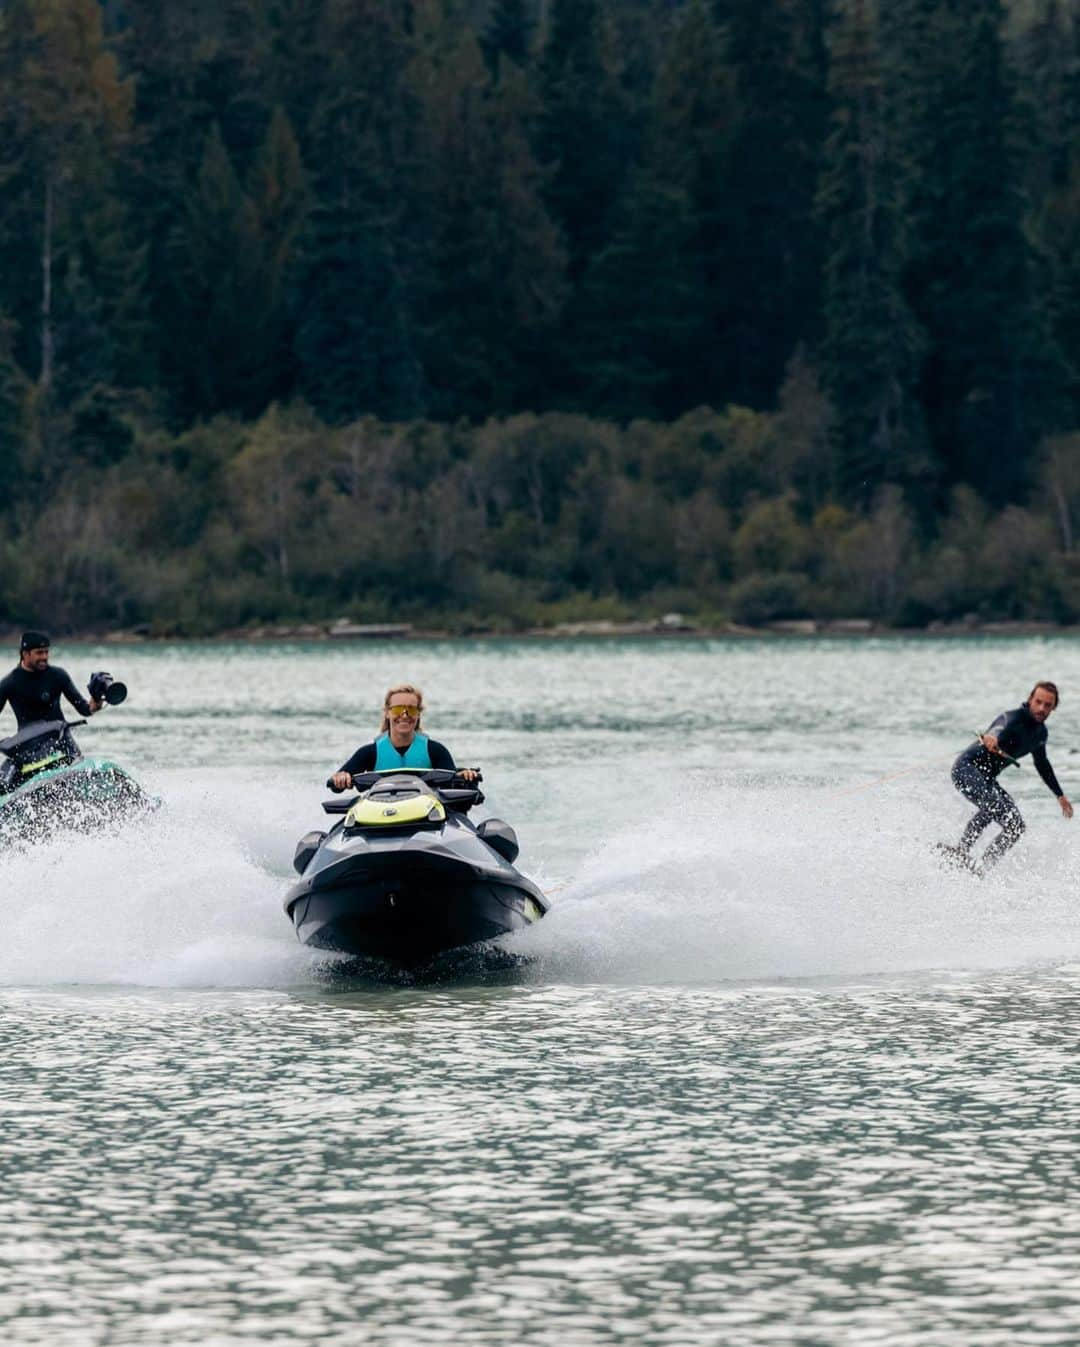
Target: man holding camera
{"points": [[34, 688]]}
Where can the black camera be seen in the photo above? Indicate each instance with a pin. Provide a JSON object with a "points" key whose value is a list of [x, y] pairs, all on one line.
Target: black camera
{"points": [[104, 688]]}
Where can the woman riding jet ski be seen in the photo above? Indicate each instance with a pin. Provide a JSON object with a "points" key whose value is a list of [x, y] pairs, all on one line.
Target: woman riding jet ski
{"points": [[406, 876]]}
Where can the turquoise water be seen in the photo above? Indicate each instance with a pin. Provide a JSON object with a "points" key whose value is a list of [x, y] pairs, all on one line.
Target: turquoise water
{"points": [[768, 1075]]}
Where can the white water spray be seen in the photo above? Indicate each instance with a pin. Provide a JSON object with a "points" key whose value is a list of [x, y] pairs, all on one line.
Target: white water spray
{"points": [[737, 883], [189, 895], [782, 883]]}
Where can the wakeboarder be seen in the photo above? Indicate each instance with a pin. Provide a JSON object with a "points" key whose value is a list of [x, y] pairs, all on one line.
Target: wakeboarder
{"points": [[1012, 735]]}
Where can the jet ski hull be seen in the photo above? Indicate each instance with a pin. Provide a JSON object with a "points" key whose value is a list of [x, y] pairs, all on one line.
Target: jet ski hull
{"points": [[406, 900], [80, 795]]}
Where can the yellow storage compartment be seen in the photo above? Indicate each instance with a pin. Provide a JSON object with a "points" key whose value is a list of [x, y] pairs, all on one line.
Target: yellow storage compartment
{"points": [[384, 813]]}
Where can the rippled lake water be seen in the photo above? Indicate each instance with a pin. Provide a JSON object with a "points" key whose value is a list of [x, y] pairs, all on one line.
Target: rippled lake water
{"points": [[767, 1074]]}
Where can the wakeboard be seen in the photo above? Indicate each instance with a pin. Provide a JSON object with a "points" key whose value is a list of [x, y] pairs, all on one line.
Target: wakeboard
{"points": [[956, 858]]}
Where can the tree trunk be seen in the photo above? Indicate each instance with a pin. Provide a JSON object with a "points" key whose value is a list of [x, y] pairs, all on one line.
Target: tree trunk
{"points": [[48, 341], [1063, 515]]}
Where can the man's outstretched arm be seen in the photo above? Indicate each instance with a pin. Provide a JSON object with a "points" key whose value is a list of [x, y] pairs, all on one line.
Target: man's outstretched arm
{"points": [[75, 697], [1042, 766]]}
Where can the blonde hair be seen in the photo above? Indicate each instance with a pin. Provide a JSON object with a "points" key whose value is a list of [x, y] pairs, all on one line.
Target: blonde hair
{"points": [[391, 693]]}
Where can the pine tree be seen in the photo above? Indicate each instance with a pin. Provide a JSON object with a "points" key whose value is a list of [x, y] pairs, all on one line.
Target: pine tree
{"points": [[232, 260], [65, 113], [495, 279], [993, 381], [73, 277], [509, 33], [872, 342], [214, 258], [1056, 223], [773, 245], [14, 406], [280, 200], [651, 338], [584, 137], [294, 71], [357, 339], [171, 52], [1058, 228], [1044, 56]]}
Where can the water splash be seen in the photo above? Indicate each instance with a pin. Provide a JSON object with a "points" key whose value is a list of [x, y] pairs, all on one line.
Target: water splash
{"points": [[776, 883], [737, 882], [186, 896]]}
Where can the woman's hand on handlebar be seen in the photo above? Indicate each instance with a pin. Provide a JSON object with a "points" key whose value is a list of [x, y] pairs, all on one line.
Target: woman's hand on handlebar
{"points": [[468, 774], [341, 781]]}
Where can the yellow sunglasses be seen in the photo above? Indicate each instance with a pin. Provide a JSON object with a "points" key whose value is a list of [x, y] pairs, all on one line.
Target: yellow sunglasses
{"points": [[413, 712]]}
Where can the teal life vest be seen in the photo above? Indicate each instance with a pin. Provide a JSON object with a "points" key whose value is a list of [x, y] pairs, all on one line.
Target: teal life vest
{"points": [[387, 756]]}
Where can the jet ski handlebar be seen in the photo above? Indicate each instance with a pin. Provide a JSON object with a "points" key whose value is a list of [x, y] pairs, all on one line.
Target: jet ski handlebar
{"points": [[37, 729], [453, 789], [439, 777]]}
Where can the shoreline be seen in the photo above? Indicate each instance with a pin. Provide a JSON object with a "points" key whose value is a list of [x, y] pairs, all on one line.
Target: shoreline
{"points": [[672, 626]]}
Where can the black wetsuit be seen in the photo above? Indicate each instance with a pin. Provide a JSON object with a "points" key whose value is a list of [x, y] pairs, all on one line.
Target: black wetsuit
{"points": [[975, 773], [363, 760], [36, 696]]}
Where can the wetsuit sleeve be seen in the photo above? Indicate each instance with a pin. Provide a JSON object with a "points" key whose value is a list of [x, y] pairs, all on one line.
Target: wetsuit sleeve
{"points": [[440, 755], [997, 725], [1042, 766], [74, 696], [978, 754], [1013, 731], [363, 760]]}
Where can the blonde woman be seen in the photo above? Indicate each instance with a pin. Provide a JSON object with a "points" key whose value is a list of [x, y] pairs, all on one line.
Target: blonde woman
{"points": [[399, 742]]}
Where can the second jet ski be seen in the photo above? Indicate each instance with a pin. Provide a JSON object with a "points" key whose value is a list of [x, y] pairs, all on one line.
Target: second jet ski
{"points": [[46, 783], [406, 876]]}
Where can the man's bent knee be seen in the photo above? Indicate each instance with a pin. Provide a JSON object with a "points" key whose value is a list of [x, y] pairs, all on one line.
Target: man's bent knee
{"points": [[1015, 826]]}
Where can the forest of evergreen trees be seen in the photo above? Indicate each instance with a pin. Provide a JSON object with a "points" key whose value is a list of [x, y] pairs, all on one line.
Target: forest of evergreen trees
{"points": [[490, 313]]}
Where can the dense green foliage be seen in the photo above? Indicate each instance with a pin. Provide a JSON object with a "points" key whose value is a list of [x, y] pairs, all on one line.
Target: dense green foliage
{"points": [[494, 312]]}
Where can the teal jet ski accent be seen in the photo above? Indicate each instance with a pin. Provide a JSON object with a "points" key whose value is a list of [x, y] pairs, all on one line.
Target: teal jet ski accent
{"points": [[46, 784]]}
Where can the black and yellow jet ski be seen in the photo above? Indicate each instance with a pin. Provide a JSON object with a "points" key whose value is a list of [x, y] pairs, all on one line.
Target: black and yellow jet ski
{"points": [[405, 875]]}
